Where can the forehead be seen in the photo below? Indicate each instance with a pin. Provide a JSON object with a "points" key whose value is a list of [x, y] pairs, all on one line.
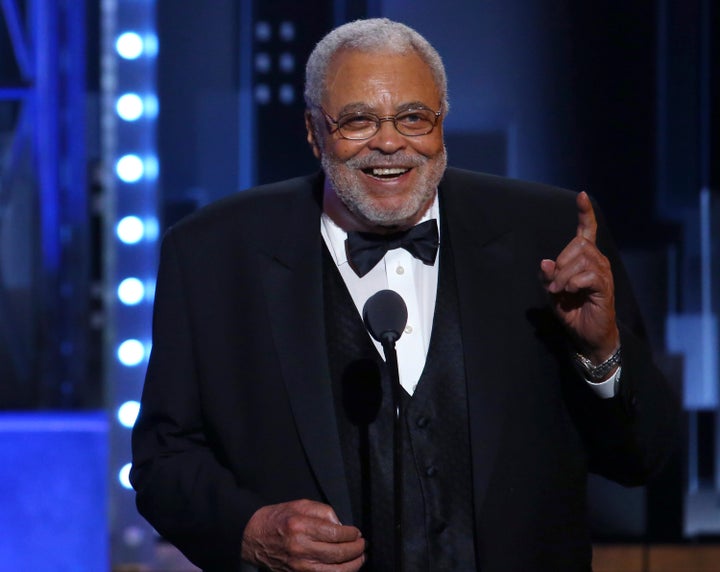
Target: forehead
{"points": [[378, 80]]}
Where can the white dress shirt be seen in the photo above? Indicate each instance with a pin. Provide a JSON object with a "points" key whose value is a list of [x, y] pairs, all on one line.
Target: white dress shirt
{"points": [[400, 271], [416, 282]]}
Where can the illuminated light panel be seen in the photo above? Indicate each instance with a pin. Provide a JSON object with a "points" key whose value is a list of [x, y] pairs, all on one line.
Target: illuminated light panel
{"points": [[129, 46], [128, 413], [124, 476], [130, 168], [130, 107], [131, 352], [130, 230], [131, 291]]}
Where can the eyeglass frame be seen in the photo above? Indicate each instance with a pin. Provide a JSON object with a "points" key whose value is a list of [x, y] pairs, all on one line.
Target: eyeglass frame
{"points": [[379, 122]]}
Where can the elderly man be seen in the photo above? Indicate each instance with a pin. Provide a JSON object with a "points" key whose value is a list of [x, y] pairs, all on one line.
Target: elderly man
{"points": [[265, 434]]}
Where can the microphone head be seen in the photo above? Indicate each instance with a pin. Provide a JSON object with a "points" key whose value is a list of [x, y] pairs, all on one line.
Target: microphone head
{"points": [[385, 315]]}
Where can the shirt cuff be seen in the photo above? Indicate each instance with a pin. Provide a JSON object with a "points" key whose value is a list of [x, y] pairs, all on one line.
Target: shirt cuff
{"points": [[608, 388]]}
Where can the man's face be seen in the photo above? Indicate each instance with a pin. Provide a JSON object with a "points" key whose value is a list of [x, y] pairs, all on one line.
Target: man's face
{"points": [[389, 179]]}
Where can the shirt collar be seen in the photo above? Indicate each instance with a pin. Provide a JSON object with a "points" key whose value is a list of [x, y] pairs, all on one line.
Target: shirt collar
{"points": [[335, 236]]}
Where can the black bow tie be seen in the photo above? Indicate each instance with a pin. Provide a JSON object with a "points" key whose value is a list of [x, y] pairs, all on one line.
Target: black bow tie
{"points": [[366, 249]]}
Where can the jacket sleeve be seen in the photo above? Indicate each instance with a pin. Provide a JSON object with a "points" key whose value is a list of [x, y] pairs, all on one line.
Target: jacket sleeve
{"points": [[183, 489], [629, 436]]}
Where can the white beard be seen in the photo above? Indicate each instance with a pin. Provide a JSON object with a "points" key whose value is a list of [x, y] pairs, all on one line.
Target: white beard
{"points": [[346, 180]]}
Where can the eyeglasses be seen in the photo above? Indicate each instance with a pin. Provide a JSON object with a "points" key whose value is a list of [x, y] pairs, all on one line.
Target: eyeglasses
{"points": [[363, 125]]}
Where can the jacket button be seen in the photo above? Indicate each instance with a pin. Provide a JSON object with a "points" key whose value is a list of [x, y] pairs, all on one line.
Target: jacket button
{"points": [[431, 471], [422, 422]]}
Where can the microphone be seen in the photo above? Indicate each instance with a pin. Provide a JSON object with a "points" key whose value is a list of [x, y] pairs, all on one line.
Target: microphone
{"points": [[385, 315]]}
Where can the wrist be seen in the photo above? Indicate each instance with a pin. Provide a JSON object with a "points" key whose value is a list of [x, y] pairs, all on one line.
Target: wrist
{"points": [[597, 372]]}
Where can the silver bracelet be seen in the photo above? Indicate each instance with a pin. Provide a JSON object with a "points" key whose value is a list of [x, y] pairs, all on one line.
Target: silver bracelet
{"points": [[597, 373]]}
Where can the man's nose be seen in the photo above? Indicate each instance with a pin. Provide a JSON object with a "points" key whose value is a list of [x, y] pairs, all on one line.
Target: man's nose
{"points": [[387, 139]]}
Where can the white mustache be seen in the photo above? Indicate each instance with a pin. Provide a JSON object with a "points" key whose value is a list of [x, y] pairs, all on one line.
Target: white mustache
{"points": [[377, 159]]}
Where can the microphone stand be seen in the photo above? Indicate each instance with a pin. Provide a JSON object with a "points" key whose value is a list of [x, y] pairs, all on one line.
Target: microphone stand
{"points": [[385, 316], [388, 344]]}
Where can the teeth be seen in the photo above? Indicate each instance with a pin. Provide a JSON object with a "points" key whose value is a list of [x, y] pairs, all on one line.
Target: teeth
{"points": [[389, 171]]}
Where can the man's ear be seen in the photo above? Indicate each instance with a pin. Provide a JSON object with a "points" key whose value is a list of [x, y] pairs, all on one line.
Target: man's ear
{"points": [[312, 135]]}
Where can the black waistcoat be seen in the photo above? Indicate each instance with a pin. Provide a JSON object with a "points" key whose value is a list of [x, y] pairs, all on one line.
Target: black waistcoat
{"points": [[437, 505]]}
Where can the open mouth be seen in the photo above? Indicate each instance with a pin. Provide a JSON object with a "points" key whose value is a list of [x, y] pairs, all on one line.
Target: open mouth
{"points": [[386, 172]]}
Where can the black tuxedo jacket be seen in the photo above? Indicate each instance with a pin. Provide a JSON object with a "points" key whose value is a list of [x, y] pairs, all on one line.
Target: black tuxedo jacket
{"points": [[237, 410]]}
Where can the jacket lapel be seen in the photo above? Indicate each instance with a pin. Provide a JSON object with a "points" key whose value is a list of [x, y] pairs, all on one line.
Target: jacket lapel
{"points": [[482, 238], [292, 273]]}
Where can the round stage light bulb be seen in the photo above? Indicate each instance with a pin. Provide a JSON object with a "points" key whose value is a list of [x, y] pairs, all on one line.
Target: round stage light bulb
{"points": [[263, 31], [124, 476], [129, 46], [287, 93], [133, 536], [127, 413], [287, 62], [131, 291], [130, 107], [130, 230], [131, 352], [262, 93], [130, 168], [287, 31]]}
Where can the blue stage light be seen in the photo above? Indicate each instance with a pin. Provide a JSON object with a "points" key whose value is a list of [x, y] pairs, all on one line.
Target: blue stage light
{"points": [[263, 31], [124, 476], [262, 94], [130, 112], [151, 168], [150, 42], [130, 168], [287, 31], [131, 352], [130, 107], [131, 291], [130, 230], [287, 94], [150, 106], [127, 413], [129, 46], [287, 62]]}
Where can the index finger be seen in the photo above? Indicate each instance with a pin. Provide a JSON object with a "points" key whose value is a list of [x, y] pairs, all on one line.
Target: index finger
{"points": [[587, 223]]}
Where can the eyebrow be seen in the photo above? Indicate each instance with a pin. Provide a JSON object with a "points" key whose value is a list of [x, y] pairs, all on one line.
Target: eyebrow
{"points": [[359, 107]]}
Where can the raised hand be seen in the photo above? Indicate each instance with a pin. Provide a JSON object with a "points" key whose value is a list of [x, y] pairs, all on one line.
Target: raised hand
{"points": [[302, 535], [580, 283]]}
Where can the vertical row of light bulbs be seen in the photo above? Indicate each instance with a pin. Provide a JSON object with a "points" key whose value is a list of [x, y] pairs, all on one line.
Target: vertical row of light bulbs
{"points": [[135, 225]]}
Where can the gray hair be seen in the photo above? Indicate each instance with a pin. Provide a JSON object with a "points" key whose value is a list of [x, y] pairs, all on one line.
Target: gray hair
{"points": [[373, 35]]}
